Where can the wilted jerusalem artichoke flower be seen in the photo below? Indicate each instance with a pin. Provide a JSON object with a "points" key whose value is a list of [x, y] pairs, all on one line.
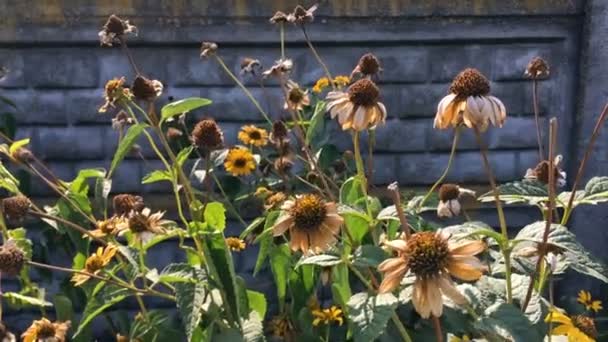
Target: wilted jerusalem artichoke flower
{"points": [[301, 15], [115, 30], [145, 225], [297, 98], [12, 259], [95, 263], [125, 203], [145, 89], [449, 200], [470, 103], [15, 208], [432, 258], [541, 172], [279, 18], [537, 68], [280, 68], [208, 49], [207, 135], [250, 66], [115, 92], [368, 66], [44, 330], [358, 108]]}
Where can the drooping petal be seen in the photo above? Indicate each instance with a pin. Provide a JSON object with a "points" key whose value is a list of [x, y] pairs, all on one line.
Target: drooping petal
{"points": [[391, 263], [283, 223], [468, 247], [398, 244], [447, 288], [466, 268]]}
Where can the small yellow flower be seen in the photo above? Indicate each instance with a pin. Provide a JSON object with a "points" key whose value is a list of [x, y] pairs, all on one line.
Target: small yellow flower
{"points": [[584, 297], [252, 135], [341, 80], [327, 316], [95, 263], [464, 338], [239, 162], [578, 328], [235, 244], [110, 227], [321, 84]]}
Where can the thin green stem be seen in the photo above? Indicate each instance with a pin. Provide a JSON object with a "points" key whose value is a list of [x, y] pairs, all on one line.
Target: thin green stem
{"points": [[69, 224], [245, 90], [541, 153], [361, 170], [282, 35], [447, 168], [501, 215], [228, 202]]}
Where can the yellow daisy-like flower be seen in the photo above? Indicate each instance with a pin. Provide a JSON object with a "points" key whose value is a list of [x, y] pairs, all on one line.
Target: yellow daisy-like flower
{"points": [[578, 328], [321, 84], [115, 92], [46, 331], [95, 263], [110, 227], [327, 316], [235, 244], [584, 297], [252, 135], [239, 162], [341, 80]]}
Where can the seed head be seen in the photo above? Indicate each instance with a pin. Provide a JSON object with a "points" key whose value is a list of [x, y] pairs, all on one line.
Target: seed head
{"points": [[279, 17], [146, 89], [250, 66], [364, 93], [208, 49], [585, 324], [207, 135], [541, 171], [309, 212], [283, 165], [125, 203], [448, 192], [537, 68], [12, 259], [15, 208], [427, 254], [114, 30], [279, 132], [23, 155], [470, 82], [302, 15], [368, 65]]}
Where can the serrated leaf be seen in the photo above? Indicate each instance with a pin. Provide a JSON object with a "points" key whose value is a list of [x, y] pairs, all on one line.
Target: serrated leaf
{"points": [[181, 273], [157, 176], [126, 144], [369, 256], [576, 255], [253, 329], [190, 298], [257, 302], [23, 299], [182, 107], [108, 296], [265, 240], [525, 191], [215, 216], [369, 315], [506, 322], [323, 260]]}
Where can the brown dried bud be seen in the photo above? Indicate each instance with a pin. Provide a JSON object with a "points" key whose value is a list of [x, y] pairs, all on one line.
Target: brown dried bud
{"points": [[12, 259], [470, 82], [275, 200], [23, 155], [15, 208], [541, 171], [368, 65], [279, 132], [208, 49], [114, 30], [537, 68], [173, 133], [283, 165], [250, 66], [302, 15], [145, 89], [121, 120], [279, 17], [448, 192], [125, 203], [207, 135]]}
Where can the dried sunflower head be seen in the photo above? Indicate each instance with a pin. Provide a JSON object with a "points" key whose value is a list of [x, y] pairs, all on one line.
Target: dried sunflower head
{"points": [[207, 135], [145, 89], [114, 30]]}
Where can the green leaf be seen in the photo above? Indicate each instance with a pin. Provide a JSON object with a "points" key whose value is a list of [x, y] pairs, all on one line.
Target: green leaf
{"points": [[369, 256], [257, 302], [596, 185], [506, 322], [340, 287], [526, 191], [63, 308], [323, 260], [351, 192], [79, 184], [157, 176], [183, 155], [265, 240], [190, 298], [316, 122], [20, 299], [107, 297], [369, 315], [252, 226], [182, 107], [18, 236], [8, 181], [575, 254], [215, 216], [182, 273], [17, 145], [253, 329], [126, 144], [280, 264]]}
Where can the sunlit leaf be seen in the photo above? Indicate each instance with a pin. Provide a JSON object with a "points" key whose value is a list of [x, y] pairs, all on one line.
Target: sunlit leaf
{"points": [[182, 107]]}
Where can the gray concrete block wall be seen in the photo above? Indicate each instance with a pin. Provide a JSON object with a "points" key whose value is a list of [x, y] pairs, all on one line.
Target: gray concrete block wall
{"points": [[58, 73]]}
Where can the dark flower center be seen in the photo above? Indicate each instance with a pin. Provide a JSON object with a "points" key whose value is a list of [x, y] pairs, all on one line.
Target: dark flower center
{"points": [[448, 192], [364, 93], [46, 330], [309, 212], [255, 135], [240, 162], [470, 82], [207, 134], [369, 64], [296, 95], [542, 172], [115, 25], [585, 324], [427, 254], [138, 223], [94, 263]]}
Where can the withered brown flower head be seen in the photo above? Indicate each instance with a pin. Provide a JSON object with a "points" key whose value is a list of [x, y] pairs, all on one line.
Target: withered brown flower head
{"points": [[44, 330], [585, 324], [121, 120], [115, 91], [313, 224], [250, 66], [145, 89], [301, 15], [145, 225], [207, 135], [115, 30], [279, 17], [279, 69], [125, 203], [275, 200], [448, 192], [368, 66], [279, 132], [537, 68], [283, 165], [208, 49], [364, 93], [12, 259], [23, 155], [470, 82], [174, 133], [541, 172], [297, 98], [15, 208]]}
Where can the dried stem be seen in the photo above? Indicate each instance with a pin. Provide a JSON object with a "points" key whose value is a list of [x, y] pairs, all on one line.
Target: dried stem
{"points": [[318, 57], [447, 168], [541, 153], [282, 37], [581, 168], [501, 215], [125, 48], [542, 248], [371, 141], [72, 225], [437, 326], [394, 190]]}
